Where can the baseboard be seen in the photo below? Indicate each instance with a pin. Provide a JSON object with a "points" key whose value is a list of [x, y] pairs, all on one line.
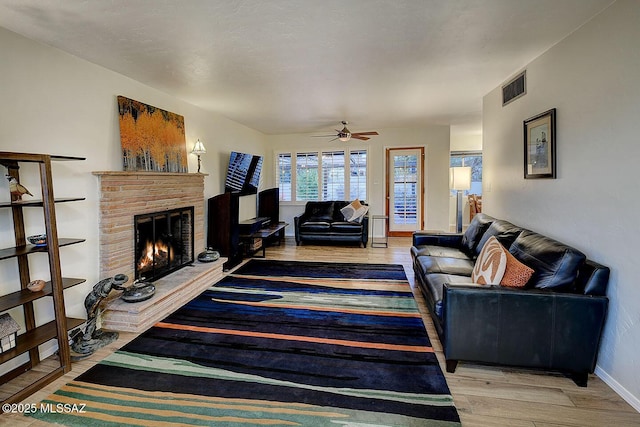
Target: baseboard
{"points": [[618, 388]]}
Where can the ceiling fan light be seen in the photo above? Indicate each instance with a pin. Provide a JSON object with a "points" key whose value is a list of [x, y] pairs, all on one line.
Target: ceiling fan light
{"points": [[344, 137]]}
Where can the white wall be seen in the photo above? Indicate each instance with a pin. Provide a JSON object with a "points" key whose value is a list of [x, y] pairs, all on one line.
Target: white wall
{"points": [[53, 102], [591, 77], [436, 141], [466, 142]]}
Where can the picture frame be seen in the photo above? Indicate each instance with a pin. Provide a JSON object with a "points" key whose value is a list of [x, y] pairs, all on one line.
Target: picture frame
{"points": [[152, 139], [540, 145]]}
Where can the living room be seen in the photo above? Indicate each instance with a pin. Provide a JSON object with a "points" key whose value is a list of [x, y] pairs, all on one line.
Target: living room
{"points": [[62, 104]]}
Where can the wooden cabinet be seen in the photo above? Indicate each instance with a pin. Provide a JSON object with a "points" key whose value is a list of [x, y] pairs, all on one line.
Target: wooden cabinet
{"points": [[23, 380]]}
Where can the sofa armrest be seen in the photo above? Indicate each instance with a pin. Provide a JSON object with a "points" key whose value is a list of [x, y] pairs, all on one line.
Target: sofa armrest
{"points": [[297, 221], [365, 230], [437, 238], [520, 327]]}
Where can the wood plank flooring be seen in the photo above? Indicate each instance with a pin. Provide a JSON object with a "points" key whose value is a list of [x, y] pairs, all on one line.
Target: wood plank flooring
{"points": [[484, 395]]}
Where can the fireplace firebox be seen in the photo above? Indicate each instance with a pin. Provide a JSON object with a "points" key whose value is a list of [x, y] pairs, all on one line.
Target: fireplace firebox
{"points": [[163, 242]]}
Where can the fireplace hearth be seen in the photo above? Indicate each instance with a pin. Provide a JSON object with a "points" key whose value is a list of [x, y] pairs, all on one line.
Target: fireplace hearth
{"points": [[163, 242]]}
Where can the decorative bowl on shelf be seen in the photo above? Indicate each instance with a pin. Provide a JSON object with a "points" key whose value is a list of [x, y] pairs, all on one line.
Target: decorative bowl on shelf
{"points": [[36, 285], [38, 239]]}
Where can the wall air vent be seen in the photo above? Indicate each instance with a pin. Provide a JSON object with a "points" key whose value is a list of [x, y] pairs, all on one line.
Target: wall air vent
{"points": [[515, 88]]}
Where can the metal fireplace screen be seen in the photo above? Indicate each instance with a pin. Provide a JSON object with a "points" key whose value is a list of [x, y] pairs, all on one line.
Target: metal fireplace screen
{"points": [[163, 242]]}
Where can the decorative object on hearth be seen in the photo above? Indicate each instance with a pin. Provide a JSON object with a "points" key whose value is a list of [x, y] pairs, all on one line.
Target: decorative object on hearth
{"points": [[345, 134], [38, 239], [459, 180], [16, 189], [198, 150], [540, 145], [152, 139], [93, 339], [209, 255], [36, 285], [8, 332], [139, 291]]}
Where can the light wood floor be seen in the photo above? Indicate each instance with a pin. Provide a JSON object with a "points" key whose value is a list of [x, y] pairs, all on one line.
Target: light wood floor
{"points": [[484, 395]]}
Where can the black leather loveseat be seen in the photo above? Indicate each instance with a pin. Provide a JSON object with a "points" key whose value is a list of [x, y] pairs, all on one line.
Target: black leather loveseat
{"points": [[323, 222], [554, 322]]}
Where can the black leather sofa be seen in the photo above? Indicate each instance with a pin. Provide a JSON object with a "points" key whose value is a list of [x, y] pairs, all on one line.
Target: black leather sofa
{"points": [[323, 222], [554, 322]]}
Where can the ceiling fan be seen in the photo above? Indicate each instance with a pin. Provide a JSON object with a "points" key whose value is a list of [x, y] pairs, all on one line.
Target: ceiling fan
{"points": [[345, 134]]}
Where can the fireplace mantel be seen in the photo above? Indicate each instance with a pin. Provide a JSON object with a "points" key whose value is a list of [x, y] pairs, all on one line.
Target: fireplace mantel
{"points": [[124, 194], [143, 173]]}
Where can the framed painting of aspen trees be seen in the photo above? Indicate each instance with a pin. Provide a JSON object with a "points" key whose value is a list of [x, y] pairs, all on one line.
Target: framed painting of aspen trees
{"points": [[152, 139]]}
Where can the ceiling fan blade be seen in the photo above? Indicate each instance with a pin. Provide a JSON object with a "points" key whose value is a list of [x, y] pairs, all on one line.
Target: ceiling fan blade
{"points": [[362, 138], [365, 133], [323, 136]]}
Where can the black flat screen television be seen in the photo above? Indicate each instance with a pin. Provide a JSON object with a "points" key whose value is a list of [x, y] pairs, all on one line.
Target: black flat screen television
{"points": [[243, 173]]}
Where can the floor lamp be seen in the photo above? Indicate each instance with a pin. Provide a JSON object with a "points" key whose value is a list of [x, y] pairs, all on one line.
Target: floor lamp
{"points": [[459, 180]]}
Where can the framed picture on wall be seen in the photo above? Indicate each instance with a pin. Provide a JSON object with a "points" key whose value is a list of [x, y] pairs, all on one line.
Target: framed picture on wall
{"points": [[540, 145]]}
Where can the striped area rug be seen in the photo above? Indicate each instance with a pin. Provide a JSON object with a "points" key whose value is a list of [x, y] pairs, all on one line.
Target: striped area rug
{"points": [[277, 343]]}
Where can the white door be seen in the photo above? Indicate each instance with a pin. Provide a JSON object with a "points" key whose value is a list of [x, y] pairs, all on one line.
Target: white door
{"points": [[404, 190]]}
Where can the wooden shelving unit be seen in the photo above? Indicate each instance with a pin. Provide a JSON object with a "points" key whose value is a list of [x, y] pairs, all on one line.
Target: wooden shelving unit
{"points": [[36, 335]]}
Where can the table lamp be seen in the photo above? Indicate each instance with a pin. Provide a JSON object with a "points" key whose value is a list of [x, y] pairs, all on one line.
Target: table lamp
{"points": [[198, 149]]}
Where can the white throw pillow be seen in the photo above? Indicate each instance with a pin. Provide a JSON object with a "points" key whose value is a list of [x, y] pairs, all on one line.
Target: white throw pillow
{"points": [[491, 263], [350, 211], [360, 213]]}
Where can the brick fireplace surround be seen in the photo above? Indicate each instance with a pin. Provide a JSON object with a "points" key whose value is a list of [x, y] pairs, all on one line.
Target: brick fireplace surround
{"points": [[125, 194]]}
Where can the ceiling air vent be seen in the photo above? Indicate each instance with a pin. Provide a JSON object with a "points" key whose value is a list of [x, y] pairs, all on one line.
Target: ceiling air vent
{"points": [[515, 88]]}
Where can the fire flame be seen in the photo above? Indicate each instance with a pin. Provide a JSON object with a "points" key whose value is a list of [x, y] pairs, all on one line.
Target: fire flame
{"points": [[159, 252]]}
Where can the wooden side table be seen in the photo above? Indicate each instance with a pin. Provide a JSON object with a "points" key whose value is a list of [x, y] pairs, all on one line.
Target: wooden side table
{"points": [[380, 242], [272, 230]]}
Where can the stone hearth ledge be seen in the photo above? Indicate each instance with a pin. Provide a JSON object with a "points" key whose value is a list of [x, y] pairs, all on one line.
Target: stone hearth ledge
{"points": [[172, 292]]}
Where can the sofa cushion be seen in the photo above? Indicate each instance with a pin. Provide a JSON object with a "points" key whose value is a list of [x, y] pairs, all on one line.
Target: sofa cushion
{"points": [[502, 230], [434, 264], [555, 264], [319, 211], [435, 284], [346, 227], [315, 227], [471, 237], [491, 263], [440, 251], [516, 275]]}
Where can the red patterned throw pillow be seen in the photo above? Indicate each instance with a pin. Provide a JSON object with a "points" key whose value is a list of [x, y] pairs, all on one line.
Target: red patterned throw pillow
{"points": [[491, 263], [516, 274]]}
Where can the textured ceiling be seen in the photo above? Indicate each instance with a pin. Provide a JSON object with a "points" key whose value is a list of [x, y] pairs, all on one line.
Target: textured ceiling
{"points": [[289, 66]]}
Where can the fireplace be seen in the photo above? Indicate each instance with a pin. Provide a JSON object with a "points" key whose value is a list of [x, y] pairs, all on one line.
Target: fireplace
{"points": [[163, 242]]}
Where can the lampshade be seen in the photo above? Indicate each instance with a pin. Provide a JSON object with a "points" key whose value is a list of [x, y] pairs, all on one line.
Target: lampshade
{"points": [[198, 148], [460, 178]]}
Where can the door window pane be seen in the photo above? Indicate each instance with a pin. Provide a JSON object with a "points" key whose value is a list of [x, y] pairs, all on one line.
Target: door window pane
{"points": [[405, 186]]}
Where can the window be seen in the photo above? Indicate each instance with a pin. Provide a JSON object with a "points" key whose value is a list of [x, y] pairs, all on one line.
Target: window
{"points": [[358, 174], [474, 160], [333, 175], [322, 175], [284, 176], [306, 176]]}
